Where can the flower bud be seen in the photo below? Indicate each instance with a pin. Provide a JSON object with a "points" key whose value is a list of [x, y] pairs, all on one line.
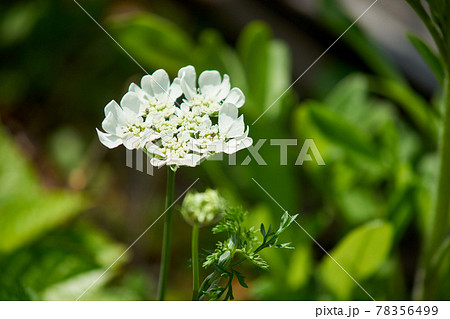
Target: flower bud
{"points": [[202, 208]]}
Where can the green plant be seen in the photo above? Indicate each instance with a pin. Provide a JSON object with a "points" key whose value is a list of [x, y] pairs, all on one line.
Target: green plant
{"points": [[436, 19], [241, 242]]}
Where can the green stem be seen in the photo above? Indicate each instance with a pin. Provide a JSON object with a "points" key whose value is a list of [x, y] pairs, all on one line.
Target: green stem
{"points": [[439, 222], [440, 218], [165, 257], [195, 266]]}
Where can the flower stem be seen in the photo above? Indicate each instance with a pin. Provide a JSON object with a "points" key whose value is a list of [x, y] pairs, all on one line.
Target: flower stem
{"points": [[195, 265], [165, 257]]}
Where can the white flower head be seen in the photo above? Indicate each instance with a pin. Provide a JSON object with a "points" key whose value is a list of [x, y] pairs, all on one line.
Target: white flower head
{"points": [[124, 126], [150, 118], [157, 94], [213, 91]]}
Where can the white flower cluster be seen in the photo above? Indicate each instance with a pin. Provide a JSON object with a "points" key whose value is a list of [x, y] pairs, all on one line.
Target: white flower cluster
{"points": [[150, 118]]}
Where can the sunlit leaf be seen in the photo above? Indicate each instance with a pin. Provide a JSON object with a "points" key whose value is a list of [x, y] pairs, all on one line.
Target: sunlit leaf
{"points": [[360, 253], [26, 209]]}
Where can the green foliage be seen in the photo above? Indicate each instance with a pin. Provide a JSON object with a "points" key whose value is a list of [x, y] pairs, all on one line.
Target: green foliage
{"points": [[36, 260], [62, 264], [428, 55], [139, 33], [377, 134], [27, 209], [18, 22], [361, 252], [240, 241]]}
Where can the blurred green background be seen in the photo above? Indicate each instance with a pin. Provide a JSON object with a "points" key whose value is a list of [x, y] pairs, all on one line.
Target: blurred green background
{"points": [[69, 207]]}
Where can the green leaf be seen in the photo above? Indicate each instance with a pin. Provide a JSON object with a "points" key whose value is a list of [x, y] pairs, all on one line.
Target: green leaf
{"points": [[63, 263], [428, 55], [278, 76], [27, 210], [19, 20], [349, 98], [358, 205], [154, 41], [300, 267], [220, 269], [241, 278], [420, 111], [336, 130], [253, 47], [21, 222], [263, 230], [360, 253]]}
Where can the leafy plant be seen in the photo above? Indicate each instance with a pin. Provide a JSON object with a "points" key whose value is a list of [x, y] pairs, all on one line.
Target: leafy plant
{"points": [[240, 241], [43, 254]]}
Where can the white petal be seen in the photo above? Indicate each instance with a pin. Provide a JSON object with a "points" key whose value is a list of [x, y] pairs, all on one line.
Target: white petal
{"points": [[216, 147], [237, 128], [193, 159], [130, 103], [188, 75], [193, 145], [113, 107], [224, 88], [227, 114], [175, 90], [230, 147], [131, 141], [184, 136], [185, 107], [205, 124], [134, 88], [234, 145], [190, 160], [150, 135], [156, 162], [110, 124], [236, 97], [187, 78], [109, 140], [245, 143], [160, 84], [153, 149], [209, 82], [146, 84], [166, 135]]}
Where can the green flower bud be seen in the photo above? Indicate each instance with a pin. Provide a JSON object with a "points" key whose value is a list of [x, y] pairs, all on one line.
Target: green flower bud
{"points": [[203, 208]]}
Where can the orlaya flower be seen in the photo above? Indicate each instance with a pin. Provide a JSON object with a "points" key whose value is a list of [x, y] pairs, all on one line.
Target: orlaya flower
{"points": [[157, 94], [150, 119], [173, 150], [123, 125], [228, 136], [213, 91]]}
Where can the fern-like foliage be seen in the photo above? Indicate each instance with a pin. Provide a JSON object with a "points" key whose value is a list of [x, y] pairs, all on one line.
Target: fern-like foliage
{"points": [[241, 242]]}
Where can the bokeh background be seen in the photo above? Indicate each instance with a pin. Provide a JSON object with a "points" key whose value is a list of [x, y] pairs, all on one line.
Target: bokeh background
{"points": [[69, 207]]}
